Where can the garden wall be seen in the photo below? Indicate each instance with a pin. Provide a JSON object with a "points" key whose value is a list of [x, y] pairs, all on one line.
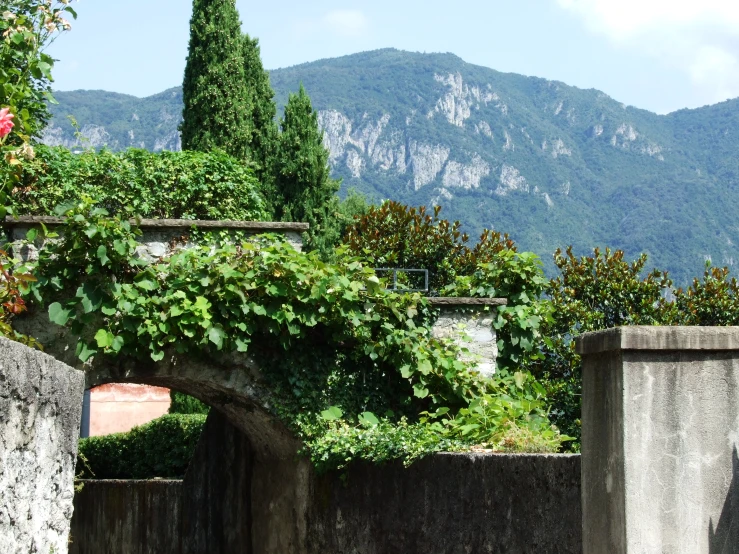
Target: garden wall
{"points": [[40, 409], [231, 501]]}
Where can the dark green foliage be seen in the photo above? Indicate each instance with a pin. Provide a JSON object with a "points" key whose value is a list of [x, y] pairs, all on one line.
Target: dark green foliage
{"points": [[160, 448], [186, 404], [189, 185], [398, 236], [217, 103], [591, 293], [713, 300], [264, 111], [304, 184]]}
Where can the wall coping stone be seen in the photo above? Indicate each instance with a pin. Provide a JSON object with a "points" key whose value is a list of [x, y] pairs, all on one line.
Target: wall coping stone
{"points": [[173, 223], [644, 337], [465, 301]]}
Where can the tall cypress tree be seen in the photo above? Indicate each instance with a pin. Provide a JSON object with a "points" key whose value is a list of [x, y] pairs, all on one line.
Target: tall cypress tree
{"points": [[263, 107], [217, 112], [303, 175]]}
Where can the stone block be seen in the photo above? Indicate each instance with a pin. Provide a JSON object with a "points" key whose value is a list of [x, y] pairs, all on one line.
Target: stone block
{"points": [[40, 409], [660, 433]]}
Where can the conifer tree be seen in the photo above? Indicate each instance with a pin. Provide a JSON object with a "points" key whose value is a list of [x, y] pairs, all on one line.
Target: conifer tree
{"points": [[264, 110], [304, 183], [217, 111]]}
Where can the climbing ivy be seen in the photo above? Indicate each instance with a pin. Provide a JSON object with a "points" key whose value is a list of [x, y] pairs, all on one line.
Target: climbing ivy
{"points": [[349, 362]]}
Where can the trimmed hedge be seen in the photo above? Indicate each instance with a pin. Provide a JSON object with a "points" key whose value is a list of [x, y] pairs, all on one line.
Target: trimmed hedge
{"points": [[161, 448], [166, 185]]}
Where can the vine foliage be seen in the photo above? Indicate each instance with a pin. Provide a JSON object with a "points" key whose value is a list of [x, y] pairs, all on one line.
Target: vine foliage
{"points": [[346, 359]]}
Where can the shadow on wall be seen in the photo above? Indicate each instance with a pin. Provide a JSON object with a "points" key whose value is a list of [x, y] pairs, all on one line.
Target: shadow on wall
{"points": [[724, 539]]}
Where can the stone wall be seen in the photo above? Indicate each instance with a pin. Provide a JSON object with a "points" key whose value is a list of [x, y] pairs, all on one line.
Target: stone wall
{"points": [[40, 409], [160, 237], [445, 504]]}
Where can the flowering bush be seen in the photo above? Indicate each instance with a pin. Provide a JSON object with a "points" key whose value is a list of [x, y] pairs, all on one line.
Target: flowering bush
{"points": [[27, 27], [6, 123]]}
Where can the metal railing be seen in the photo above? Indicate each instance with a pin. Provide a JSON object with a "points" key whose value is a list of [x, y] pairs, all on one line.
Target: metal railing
{"points": [[398, 287]]}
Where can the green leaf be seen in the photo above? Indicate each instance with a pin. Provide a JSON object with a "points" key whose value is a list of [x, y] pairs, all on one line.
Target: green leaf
{"points": [[58, 315], [104, 338], [216, 335], [102, 254], [368, 419], [84, 352], [332, 414], [420, 391]]}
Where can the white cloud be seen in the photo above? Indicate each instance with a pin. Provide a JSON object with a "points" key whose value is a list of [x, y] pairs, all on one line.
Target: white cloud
{"points": [[346, 23], [341, 23], [700, 38]]}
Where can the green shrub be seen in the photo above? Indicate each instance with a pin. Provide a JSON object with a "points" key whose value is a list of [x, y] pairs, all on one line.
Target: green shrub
{"points": [[186, 404], [167, 185], [396, 235], [160, 448]]}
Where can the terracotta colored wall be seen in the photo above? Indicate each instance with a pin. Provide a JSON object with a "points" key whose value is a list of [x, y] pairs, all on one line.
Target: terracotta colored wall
{"points": [[118, 407]]}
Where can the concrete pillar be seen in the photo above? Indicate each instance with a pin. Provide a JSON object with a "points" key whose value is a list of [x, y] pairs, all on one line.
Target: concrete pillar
{"points": [[660, 433], [469, 323]]}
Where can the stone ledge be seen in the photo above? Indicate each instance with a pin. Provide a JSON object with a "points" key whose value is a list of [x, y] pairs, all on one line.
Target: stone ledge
{"points": [[173, 223], [465, 301], [641, 337]]}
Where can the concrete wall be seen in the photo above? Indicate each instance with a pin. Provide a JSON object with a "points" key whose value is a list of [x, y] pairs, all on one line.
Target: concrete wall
{"points": [[446, 504], [118, 407], [40, 409], [660, 438]]}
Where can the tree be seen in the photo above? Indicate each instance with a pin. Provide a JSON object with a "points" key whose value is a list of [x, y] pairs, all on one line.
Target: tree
{"points": [[217, 108], [304, 184], [396, 235], [263, 109]]}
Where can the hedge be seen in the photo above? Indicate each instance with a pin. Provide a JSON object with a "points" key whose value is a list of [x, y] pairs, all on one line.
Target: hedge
{"points": [[167, 185], [161, 448]]}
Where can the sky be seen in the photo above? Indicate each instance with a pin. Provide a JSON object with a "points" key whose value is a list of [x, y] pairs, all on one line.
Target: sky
{"points": [[660, 55]]}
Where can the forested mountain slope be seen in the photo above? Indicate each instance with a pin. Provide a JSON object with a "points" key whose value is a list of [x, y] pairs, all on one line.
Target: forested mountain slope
{"points": [[548, 163]]}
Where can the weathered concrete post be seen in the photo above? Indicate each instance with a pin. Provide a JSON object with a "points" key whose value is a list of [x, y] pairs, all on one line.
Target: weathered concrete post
{"points": [[660, 433], [469, 323], [40, 408]]}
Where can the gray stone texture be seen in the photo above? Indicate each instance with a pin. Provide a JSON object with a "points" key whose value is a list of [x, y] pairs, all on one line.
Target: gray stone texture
{"points": [[660, 472], [470, 326], [233, 502], [40, 409]]}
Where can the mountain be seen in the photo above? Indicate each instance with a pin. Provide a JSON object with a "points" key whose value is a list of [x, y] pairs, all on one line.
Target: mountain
{"points": [[548, 163]]}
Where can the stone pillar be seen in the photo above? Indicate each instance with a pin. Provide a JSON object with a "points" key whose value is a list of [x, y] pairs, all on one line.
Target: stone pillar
{"points": [[660, 433], [40, 408], [469, 323]]}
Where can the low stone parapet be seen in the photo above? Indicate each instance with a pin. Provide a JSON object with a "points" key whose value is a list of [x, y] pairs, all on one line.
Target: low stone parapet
{"points": [[161, 237]]}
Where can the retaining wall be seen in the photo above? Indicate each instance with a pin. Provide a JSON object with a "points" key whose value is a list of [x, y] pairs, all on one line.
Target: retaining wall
{"points": [[232, 502]]}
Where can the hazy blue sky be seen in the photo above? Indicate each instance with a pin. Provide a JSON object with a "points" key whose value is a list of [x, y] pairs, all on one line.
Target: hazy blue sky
{"points": [[660, 55]]}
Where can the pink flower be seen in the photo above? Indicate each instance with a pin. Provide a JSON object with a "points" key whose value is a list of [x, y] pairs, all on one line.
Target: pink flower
{"points": [[5, 122]]}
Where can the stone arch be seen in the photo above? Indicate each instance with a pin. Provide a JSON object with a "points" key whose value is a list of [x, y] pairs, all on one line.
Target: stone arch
{"points": [[230, 383]]}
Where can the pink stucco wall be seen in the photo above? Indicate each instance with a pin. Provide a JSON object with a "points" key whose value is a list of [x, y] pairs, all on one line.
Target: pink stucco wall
{"points": [[118, 407]]}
